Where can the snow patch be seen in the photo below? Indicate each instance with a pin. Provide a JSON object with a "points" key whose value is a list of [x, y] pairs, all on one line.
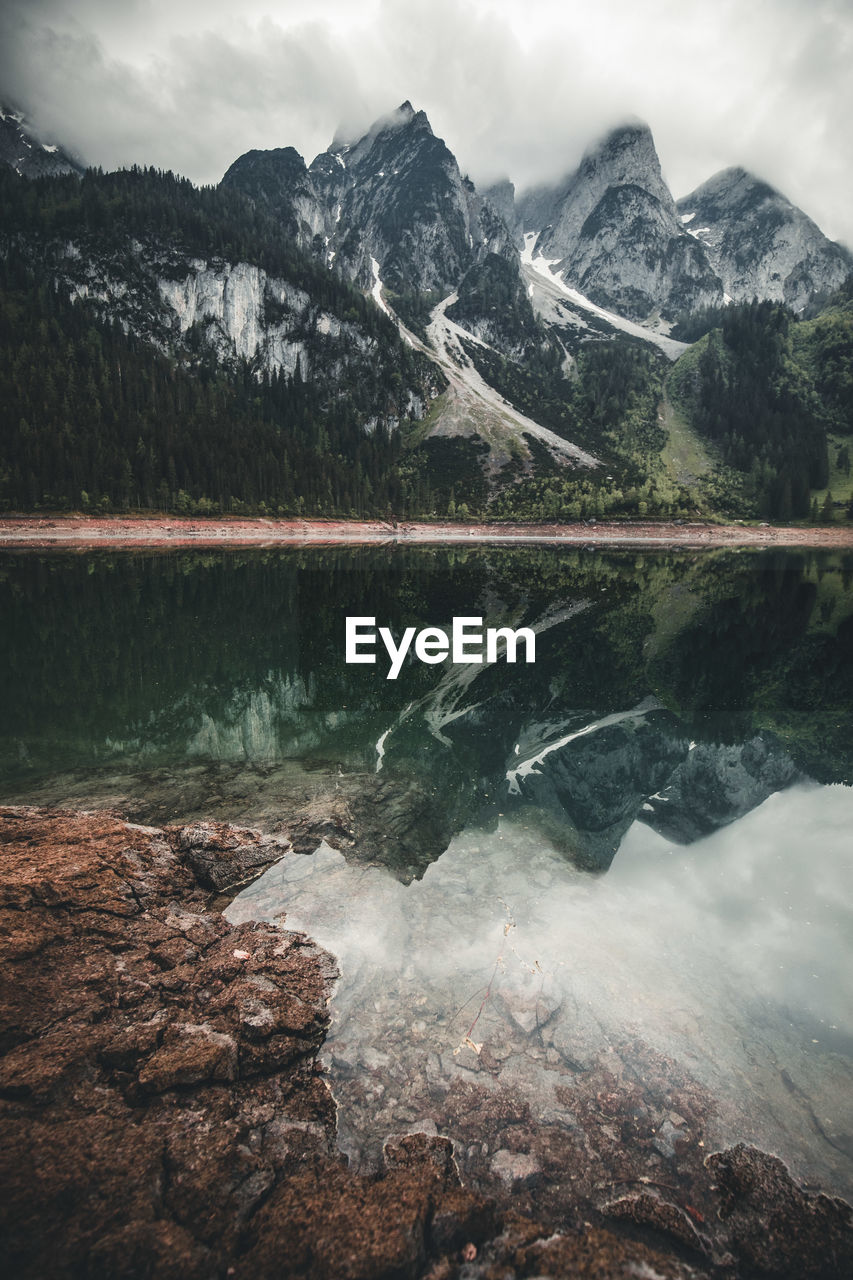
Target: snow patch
{"points": [[380, 750], [618, 717], [544, 269], [376, 291], [446, 338]]}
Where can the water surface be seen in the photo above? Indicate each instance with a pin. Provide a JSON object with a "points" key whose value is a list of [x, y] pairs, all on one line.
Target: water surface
{"points": [[635, 850]]}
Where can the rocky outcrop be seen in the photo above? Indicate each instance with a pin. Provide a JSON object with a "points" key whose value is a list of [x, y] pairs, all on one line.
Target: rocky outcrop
{"points": [[395, 196], [586, 788], [614, 232], [238, 309], [715, 784], [280, 180], [760, 244], [501, 196], [243, 313], [142, 1100]]}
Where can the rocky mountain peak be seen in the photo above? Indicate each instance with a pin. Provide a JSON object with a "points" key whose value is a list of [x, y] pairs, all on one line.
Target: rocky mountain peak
{"points": [[625, 156], [730, 189], [759, 243], [394, 196], [614, 231], [404, 119], [22, 150]]}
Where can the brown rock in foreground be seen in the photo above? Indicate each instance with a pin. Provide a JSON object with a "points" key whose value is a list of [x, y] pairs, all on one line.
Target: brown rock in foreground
{"points": [[163, 1113], [159, 1065]]}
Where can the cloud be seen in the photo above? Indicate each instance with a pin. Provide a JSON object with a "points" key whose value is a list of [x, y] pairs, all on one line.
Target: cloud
{"points": [[517, 88]]}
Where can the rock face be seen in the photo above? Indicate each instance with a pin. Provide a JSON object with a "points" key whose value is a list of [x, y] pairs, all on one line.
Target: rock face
{"points": [[395, 195], [589, 788], [501, 195], [242, 313], [27, 154], [614, 231], [143, 1106], [760, 244], [280, 180]]}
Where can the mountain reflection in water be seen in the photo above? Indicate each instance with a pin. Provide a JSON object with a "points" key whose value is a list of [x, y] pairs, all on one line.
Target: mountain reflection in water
{"points": [[680, 689], [505, 966], [687, 724]]}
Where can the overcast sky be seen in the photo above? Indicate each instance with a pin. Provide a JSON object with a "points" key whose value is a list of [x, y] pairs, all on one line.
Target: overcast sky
{"points": [[515, 87]]}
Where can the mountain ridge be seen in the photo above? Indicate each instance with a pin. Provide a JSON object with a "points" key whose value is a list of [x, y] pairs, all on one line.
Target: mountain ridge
{"points": [[523, 372], [795, 259]]}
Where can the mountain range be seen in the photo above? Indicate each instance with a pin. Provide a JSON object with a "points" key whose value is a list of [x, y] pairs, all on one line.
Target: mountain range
{"points": [[519, 347]]}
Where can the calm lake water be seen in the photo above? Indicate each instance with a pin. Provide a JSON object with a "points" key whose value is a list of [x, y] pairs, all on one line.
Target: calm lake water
{"points": [[639, 845]]}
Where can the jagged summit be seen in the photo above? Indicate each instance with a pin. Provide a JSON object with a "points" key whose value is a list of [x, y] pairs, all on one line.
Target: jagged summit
{"points": [[613, 230], [759, 243], [730, 188], [394, 197], [625, 153], [632, 136], [388, 132], [402, 116]]}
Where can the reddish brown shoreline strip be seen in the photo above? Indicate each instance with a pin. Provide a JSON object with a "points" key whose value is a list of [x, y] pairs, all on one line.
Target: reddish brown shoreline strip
{"points": [[155, 531]]}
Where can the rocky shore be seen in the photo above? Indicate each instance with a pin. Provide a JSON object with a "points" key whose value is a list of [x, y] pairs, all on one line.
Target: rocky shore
{"points": [[76, 531], [164, 1110]]}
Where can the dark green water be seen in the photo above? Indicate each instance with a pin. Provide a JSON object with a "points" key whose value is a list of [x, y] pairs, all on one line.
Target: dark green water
{"points": [[686, 728], [190, 683]]}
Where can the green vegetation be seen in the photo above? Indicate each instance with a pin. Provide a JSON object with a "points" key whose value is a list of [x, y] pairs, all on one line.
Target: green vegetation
{"points": [[493, 298], [755, 419], [102, 213], [609, 406], [99, 420], [742, 388]]}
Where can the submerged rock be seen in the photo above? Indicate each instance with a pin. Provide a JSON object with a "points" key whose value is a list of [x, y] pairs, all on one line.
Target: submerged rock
{"points": [[163, 1112]]}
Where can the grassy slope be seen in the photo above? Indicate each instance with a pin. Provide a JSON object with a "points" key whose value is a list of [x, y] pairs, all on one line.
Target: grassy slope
{"points": [[685, 455]]}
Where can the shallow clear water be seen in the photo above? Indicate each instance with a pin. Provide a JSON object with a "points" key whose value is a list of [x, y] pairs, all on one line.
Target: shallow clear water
{"points": [[639, 845], [733, 959]]}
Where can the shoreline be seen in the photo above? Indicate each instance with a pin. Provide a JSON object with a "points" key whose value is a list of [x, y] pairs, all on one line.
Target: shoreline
{"points": [[176, 531], [165, 1108]]}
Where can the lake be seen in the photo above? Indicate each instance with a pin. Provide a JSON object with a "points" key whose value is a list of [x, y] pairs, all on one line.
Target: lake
{"points": [[626, 865]]}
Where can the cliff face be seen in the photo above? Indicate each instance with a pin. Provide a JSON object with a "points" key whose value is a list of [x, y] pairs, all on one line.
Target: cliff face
{"points": [[614, 232], [760, 244], [241, 312], [248, 313], [395, 195], [24, 152]]}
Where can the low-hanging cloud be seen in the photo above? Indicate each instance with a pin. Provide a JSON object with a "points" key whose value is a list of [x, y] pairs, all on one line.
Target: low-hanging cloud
{"points": [[516, 89]]}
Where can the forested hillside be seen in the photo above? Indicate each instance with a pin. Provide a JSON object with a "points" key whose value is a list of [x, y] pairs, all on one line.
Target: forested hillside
{"points": [[99, 415], [167, 347], [766, 389]]}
